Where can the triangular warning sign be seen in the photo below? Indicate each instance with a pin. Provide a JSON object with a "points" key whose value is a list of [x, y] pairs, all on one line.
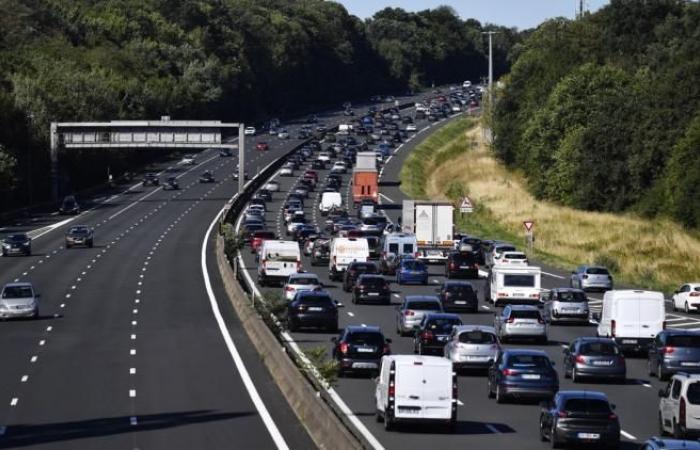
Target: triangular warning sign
{"points": [[529, 224], [466, 203]]}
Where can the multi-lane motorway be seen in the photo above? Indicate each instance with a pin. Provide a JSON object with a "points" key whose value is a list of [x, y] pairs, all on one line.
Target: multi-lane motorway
{"points": [[482, 423]]}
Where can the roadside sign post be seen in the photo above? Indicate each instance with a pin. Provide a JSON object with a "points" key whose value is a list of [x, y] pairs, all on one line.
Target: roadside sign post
{"points": [[530, 238], [466, 206]]}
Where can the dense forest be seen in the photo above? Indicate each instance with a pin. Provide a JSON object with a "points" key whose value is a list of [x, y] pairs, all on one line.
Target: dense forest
{"points": [[603, 113], [235, 60]]}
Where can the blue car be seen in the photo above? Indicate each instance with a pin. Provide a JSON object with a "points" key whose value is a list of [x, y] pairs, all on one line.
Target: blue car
{"points": [[412, 271], [522, 374]]}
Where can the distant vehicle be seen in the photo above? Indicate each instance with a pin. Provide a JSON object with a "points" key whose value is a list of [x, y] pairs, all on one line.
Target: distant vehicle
{"points": [[566, 305], [19, 300], [339, 167], [413, 309], [580, 417], [674, 351], [416, 389], [687, 298], [69, 205], [458, 296], [312, 309], [207, 177], [258, 237], [283, 134], [150, 179], [411, 128], [17, 244], [79, 235], [360, 349], [520, 321], [679, 406], [461, 265], [411, 271], [262, 146], [395, 246], [371, 288], [514, 284], [472, 347], [171, 184], [432, 333], [298, 282], [188, 160], [467, 84], [278, 260], [593, 357], [522, 374], [225, 152], [320, 252], [591, 278], [272, 186], [512, 259], [249, 131], [330, 200], [286, 171]]}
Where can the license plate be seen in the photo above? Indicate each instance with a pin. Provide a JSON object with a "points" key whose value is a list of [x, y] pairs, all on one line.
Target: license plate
{"points": [[460, 302], [589, 436], [364, 366], [409, 410], [464, 267], [315, 308], [602, 363], [365, 350], [478, 358], [530, 376], [690, 363], [373, 294], [629, 341], [569, 310]]}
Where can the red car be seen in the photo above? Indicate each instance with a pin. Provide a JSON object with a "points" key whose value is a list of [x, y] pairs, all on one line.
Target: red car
{"points": [[262, 146], [311, 173], [257, 238]]}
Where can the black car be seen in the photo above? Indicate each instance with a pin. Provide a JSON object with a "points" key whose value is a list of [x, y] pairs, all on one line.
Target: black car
{"points": [[472, 245], [674, 351], [320, 252], [206, 177], [17, 244], [461, 265], [315, 309], [264, 195], [69, 205], [150, 179], [225, 152], [579, 417], [333, 183], [433, 332], [354, 270], [594, 357], [171, 184], [360, 349], [522, 374], [303, 232], [371, 288], [458, 296], [318, 164], [247, 229], [79, 235]]}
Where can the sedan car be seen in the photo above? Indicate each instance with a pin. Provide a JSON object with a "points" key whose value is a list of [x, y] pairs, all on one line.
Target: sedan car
{"points": [[433, 332], [272, 186], [283, 134], [79, 235], [371, 288], [412, 271], [520, 321], [472, 347], [579, 417], [360, 349], [188, 160], [19, 300], [354, 270], [592, 357], [339, 167], [687, 298], [150, 179], [591, 278], [207, 177], [565, 305], [522, 374], [298, 282], [458, 296], [171, 184], [249, 131], [17, 244], [674, 351], [312, 309], [412, 310], [286, 171]]}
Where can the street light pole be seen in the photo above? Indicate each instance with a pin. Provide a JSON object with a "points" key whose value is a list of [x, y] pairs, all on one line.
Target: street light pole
{"points": [[490, 33]]}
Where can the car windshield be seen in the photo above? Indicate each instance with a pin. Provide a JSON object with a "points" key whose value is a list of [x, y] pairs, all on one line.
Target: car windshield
{"points": [[17, 292], [284, 258], [424, 305], [597, 271], [587, 405], [365, 338], [303, 280], [477, 337], [519, 280], [525, 314], [528, 361], [414, 265], [690, 340], [16, 238], [693, 393], [442, 325], [599, 349], [571, 296]]}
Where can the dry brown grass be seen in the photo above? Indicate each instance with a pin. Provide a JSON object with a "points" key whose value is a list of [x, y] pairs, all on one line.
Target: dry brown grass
{"points": [[651, 253]]}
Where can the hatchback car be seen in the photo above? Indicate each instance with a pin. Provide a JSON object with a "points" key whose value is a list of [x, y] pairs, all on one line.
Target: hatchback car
{"points": [[458, 296], [461, 265], [412, 271], [298, 282], [522, 374], [272, 186], [354, 270], [433, 332], [565, 305], [593, 357], [413, 309], [687, 298], [472, 347], [591, 278], [580, 417], [371, 288], [520, 321], [286, 171], [360, 349], [674, 351], [188, 160], [207, 177], [19, 300], [17, 244], [313, 309], [249, 131], [79, 235]]}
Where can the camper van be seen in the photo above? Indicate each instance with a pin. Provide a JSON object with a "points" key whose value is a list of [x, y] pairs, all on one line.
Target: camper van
{"points": [[278, 260], [418, 389], [514, 284], [632, 318]]}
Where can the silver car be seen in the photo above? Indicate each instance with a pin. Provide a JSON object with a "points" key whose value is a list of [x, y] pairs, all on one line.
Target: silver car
{"points": [[19, 300], [565, 305], [520, 321], [497, 252], [591, 278], [472, 347], [298, 282], [411, 312]]}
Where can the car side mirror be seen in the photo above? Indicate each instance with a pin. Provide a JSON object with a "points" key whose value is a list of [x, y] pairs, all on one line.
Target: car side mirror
{"points": [[662, 393]]}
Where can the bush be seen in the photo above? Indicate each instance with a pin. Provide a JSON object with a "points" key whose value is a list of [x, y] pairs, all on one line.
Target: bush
{"points": [[232, 241], [327, 368]]}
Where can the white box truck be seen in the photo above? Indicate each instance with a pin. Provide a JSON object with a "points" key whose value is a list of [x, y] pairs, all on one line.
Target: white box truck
{"points": [[433, 225], [514, 284], [632, 318], [416, 389]]}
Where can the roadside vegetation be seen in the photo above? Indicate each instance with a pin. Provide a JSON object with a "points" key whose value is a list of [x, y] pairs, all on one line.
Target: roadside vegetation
{"points": [[457, 161]]}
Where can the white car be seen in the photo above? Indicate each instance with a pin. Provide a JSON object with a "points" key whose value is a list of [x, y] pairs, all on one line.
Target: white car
{"points": [[272, 186], [679, 405], [286, 172], [301, 282], [324, 156], [456, 108], [411, 127], [283, 134], [188, 160], [339, 167], [687, 297], [250, 131], [512, 259]]}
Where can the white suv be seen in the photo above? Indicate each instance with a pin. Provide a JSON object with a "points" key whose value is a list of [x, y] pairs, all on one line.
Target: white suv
{"points": [[679, 405]]}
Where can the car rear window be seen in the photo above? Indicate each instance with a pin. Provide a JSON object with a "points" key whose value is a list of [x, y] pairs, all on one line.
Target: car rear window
{"points": [[424, 305], [587, 405], [525, 314], [460, 290], [316, 300], [519, 280], [515, 256], [366, 338], [528, 361], [17, 292], [571, 297], [599, 348], [372, 281], [363, 267], [693, 393], [442, 325], [414, 265], [477, 337], [303, 280], [597, 271], [691, 340]]}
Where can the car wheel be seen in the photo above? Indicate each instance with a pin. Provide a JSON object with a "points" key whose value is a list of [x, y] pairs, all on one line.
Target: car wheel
{"points": [[678, 432], [500, 397], [686, 309], [378, 416], [543, 436], [553, 438], [649, 369], [90, 244], [675, 307], [490, 393], [567, 373], [388, 424]]}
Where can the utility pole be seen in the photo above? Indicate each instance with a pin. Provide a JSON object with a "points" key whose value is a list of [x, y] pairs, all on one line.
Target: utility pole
{"points": [[490, 33]]}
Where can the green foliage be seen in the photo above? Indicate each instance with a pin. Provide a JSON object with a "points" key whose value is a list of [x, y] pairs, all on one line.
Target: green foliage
{"points": [[682, 180], [327, 368], [7, 170], [232, 241]]}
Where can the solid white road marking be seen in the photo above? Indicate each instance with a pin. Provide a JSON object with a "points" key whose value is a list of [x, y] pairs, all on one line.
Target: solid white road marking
{"points": [[132, 371], [351, 314], [384, 196], [553, 275], [627, 435], [132, 352], [459, 402]]}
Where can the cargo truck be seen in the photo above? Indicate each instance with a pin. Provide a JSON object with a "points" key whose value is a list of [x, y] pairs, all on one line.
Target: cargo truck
{"points": [[432, 223], [365, 178]]}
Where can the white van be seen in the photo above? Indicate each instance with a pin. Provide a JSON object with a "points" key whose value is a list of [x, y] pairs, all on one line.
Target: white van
{"points": [[343, 252], [278, 260], [632, 318], [330, 200], [519, 284], [416, 388]]}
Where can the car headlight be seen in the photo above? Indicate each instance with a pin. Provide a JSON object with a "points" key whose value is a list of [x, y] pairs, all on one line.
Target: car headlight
{"points": [[5, 245], [3, 307], [26, 244]]}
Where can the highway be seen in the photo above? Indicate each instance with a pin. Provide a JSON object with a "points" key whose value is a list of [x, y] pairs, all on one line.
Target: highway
{"points": [[482, 423]]}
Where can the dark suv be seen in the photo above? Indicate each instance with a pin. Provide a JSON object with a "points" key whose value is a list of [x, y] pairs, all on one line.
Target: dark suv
{"points": [[360, 349], [69, 205], [461, 265], [312, 309], [433, 332], [674, 351], [354, 270], [458, 296], [370, 287]]}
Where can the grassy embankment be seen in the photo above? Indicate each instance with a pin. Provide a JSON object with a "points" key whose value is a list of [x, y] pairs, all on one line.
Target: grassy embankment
{"points": [[456, 160]]}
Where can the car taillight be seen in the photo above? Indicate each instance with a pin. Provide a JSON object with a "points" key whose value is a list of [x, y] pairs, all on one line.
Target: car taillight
{"points": [[580, 359], [264, 261], [612, 328], [392, 389], [681, 414], [298, 266], [508, 372], [562, 414], [540, 320], [667, 350], [409, 313], [510, 320], [694, 294], [535, 295], [427, 335], [502, 294], [343, 348]]}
